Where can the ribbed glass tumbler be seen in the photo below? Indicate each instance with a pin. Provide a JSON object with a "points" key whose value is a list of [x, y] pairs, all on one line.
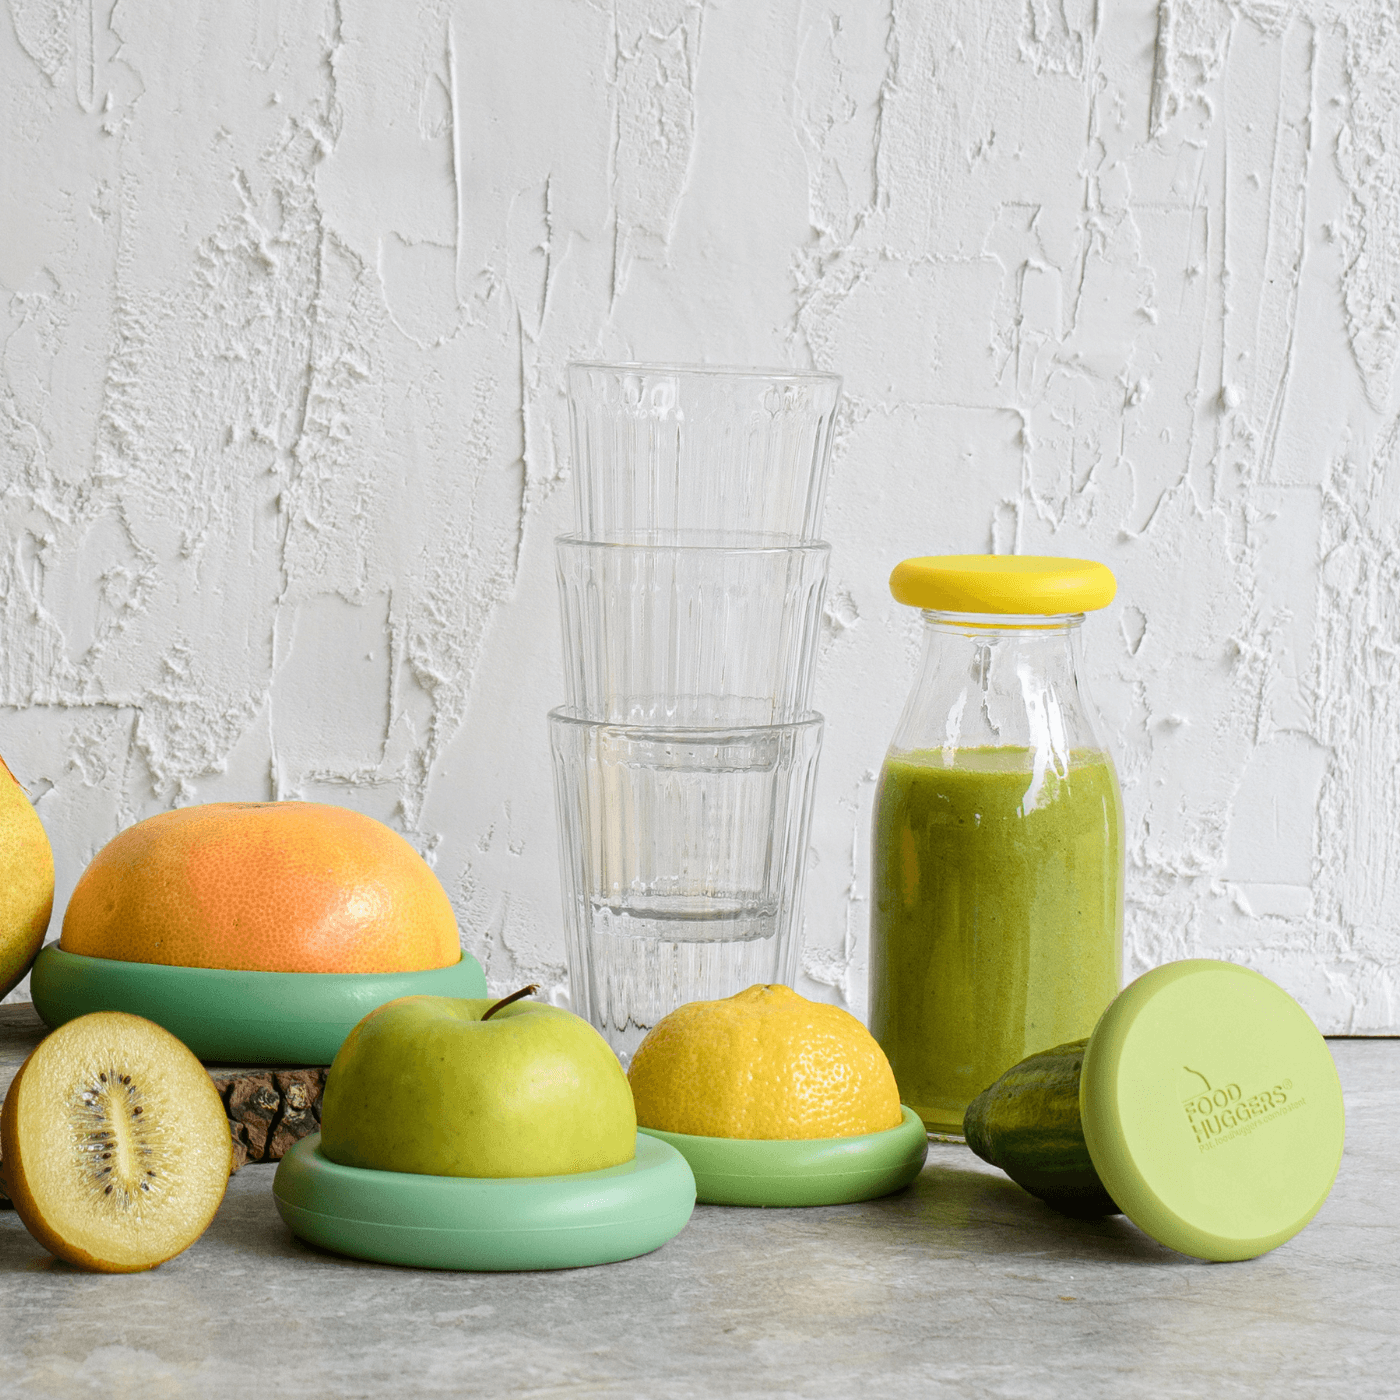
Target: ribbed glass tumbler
{"points": [[682, 853], [675, 448], [694, 632]]}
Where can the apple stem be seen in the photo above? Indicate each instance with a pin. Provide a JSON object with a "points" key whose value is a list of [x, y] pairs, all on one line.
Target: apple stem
{"points": [[506, 1001]]}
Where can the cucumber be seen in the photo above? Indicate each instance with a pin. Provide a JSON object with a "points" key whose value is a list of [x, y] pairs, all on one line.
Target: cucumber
{"points": [[1028, 1124]]}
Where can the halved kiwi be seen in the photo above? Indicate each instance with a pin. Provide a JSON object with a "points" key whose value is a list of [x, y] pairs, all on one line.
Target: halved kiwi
{"points": [[115, 1144]]}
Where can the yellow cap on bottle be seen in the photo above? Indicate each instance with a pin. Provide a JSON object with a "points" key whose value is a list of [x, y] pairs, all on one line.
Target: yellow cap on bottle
{"points": [[1027, 584]]}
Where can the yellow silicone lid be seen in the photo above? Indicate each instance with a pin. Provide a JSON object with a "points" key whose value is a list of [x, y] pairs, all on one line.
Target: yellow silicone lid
{"points": [[1211, 1109], [1028, 584]]}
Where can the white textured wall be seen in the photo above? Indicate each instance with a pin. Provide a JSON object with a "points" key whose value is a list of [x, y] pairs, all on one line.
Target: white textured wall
{"points": [[285, 295]]}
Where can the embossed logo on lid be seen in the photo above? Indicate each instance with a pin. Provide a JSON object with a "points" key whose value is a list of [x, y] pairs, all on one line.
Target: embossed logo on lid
{"points": [[1224, 1114]]}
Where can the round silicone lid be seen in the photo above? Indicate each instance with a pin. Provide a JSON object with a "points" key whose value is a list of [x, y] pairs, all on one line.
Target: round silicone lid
{"points": [[1003, 583], [1212, 1109], [802, 1172], [281, 1018], [493, 1223]]}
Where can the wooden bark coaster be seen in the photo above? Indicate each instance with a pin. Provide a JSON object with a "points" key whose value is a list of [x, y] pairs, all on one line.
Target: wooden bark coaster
{"points": [[269, 1109]]}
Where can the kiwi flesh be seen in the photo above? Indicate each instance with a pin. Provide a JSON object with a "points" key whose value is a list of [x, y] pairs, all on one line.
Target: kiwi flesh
{"points": [[115, 1144]]}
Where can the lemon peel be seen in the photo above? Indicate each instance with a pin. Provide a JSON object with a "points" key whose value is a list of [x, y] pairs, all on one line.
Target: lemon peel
{"points": [[765, 1063]]}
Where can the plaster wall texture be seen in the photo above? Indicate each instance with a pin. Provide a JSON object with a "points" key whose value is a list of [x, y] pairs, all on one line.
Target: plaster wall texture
{"points": [[286, 292]]}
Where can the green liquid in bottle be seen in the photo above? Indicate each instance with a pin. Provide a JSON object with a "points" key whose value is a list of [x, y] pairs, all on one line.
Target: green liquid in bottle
{"points": [[998, 922]]}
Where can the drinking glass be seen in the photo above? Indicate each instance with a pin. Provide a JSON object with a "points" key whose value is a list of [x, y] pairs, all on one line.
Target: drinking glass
{"points": [[670, 449], [696, 631], [681, 855]]}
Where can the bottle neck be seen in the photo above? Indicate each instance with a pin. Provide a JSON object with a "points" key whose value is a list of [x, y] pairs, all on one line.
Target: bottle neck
{"points": [[999, 682]]}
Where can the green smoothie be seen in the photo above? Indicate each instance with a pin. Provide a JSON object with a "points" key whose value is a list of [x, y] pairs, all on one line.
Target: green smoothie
{"points": [[998, 916]]}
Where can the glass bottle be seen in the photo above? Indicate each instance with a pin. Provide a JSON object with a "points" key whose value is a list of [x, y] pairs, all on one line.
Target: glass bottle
{"points": [[997, 917]]}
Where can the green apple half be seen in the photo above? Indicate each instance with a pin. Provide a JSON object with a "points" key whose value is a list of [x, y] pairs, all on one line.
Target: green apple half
{"points": [[423, 1084], [26, 881]]}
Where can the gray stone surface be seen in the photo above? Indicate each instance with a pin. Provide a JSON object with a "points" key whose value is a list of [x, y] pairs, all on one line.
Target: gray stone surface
{"points": [[961, 1286], [20, 1031]]}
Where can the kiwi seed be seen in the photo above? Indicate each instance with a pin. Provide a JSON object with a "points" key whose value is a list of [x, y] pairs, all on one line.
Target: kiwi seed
{"points": [[112, 1139]]}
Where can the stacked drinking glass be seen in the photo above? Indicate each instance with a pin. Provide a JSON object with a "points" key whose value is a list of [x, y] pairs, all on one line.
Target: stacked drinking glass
{"points": [[685, 759]]}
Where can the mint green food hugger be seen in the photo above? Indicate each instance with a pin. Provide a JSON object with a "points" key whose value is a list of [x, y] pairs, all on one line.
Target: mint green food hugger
{"points": [[486, 1223], [805, 1171], [279, 1018]]}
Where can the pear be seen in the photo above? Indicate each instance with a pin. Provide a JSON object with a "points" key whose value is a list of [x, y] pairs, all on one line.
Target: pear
{"points": [[26, 881]]}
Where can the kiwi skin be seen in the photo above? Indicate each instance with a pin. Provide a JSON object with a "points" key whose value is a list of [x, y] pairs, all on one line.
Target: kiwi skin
{"points": [[18, 1188]]}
